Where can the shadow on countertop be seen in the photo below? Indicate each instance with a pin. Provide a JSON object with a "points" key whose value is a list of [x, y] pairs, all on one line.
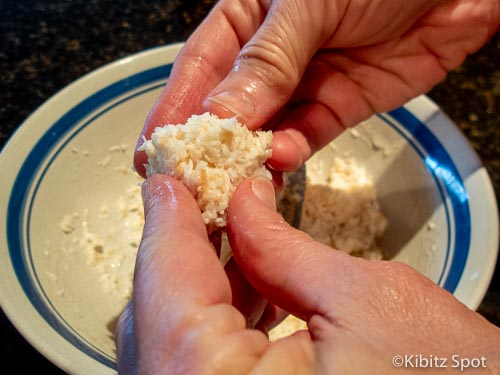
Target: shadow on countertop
{"points": [[45, 45]]}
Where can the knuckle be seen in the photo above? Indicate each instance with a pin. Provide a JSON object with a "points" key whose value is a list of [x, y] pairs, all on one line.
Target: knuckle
{"points": [[400, 284], [398, 273], [272, 64]]}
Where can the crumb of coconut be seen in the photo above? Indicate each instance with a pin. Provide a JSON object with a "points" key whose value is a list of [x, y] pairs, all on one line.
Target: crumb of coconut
{"points": [[211, 156]]}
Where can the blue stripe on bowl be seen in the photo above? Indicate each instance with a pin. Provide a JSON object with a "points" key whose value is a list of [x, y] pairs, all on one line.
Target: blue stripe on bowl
{"points": [[437, 160], [40, 178], [421, 152], [444, 170], [29, 175]]}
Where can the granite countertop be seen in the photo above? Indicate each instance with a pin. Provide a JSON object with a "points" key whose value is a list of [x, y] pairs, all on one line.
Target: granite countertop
{"points": [[47, 44]]}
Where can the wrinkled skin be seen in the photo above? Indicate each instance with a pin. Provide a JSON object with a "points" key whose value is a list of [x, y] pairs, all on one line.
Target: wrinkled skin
{"points": [[360, 313], [309, 69], [307, 72]]}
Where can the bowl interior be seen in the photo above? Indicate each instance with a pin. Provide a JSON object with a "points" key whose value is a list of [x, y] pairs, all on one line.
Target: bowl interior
{"points": [[86, 221], [86, 215], [410, 199], [75, 216]]}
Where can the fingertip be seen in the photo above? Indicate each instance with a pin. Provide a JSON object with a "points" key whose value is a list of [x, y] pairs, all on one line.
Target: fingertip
{"points": [[166, 198], [157, 189], [251, 209], [252, 217], [140, 159], [277, 178], [263, 189], [286, 156], [258, 193]]}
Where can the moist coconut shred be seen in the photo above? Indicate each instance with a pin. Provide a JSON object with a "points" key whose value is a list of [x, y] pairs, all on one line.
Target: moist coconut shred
{"points": [[211, 156]]}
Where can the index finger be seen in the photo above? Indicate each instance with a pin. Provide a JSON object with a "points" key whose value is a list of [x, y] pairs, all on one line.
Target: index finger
{"points": [[176, 262], [201, 65], [181, 303], [177, 272]]}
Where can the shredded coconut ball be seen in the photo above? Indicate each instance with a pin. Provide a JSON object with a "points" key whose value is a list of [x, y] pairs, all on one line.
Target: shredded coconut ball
{"points": [[211, 156]]}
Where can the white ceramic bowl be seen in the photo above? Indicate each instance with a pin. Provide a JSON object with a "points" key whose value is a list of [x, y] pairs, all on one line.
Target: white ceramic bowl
{"points": [[66, 188]]}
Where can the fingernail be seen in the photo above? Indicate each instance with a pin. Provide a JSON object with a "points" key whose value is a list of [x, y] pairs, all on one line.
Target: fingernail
{"points": [[226, 105], [264, 190], [155, 190]]}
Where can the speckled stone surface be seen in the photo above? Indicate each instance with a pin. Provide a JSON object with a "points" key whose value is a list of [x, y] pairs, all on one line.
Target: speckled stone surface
{"points": [[47, 44]]}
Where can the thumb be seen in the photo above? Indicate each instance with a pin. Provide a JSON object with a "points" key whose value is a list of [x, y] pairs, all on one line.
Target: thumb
{"points": [[286, 265], [270, 65]]}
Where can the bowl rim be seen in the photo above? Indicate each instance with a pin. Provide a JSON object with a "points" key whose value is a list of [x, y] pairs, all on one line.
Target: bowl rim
{"points": [[421, 108]]}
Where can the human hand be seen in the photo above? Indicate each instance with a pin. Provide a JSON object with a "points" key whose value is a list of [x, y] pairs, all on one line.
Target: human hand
{"points": [[308, 70], [180, 287], [360, 313]]}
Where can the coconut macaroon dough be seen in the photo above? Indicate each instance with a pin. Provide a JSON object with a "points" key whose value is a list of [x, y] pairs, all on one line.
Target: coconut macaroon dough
{"points": [[343, 212], [211, 156]]}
